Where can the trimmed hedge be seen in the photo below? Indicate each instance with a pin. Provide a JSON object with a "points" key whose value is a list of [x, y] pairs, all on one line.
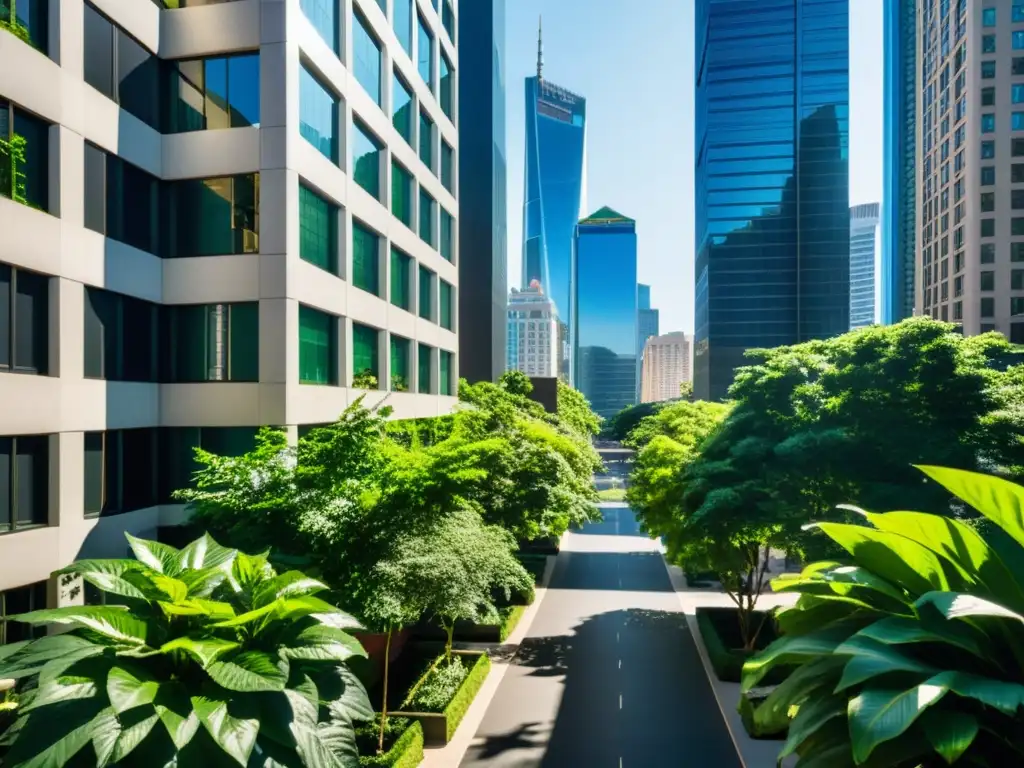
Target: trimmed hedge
{"points": [[406, 752], [535, 564], [719, 639], [459, 705], [510, 618]]}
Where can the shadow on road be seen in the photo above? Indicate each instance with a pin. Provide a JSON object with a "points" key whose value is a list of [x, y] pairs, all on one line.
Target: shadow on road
{"points": [[611, 571]]}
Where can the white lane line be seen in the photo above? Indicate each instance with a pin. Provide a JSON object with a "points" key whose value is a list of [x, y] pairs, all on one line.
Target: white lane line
{"points": [[620, 701], [620, 663]]}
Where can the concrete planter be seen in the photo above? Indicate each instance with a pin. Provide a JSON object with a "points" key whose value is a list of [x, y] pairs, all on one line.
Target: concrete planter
{"points": [[440, 727]]}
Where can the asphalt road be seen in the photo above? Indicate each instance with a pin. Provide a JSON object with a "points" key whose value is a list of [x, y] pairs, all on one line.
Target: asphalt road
{"points": [[608, 676]]}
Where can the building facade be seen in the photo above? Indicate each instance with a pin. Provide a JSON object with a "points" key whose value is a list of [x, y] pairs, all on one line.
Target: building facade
{"points": [[970, 152], [772, 178], [605, 302], [532, 336], [483, 231], [899, 172], [865, 265], [646, 324], [222, 216], [554, 192], [666, 367]]}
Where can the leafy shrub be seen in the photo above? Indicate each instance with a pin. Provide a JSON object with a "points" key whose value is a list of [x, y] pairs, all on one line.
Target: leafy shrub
{"points": [[403, 744], [211, 659], [911, 655], [438, 687], [459, 705], [510, 618]]}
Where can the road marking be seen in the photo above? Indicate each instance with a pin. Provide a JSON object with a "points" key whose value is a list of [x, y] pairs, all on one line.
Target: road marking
{"points": [[620, 663], [616, 637], [620, 701]]}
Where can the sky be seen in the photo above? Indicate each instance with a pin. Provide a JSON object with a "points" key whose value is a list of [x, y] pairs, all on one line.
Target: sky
{"points": [[636, 71]]}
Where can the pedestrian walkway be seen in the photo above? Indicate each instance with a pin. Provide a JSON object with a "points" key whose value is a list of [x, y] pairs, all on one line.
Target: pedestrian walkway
{"points": [[608, 675]]}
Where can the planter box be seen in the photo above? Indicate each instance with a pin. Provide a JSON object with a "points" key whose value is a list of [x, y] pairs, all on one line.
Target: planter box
{"points": [[720, 630], [371, 669], [406, 752], [439, 727]]}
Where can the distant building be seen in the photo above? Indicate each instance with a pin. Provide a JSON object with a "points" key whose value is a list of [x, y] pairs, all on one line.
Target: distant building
{"points": [[605, 311], [666, 365], [865, 265], [532, 333], [646, 323], [555, 192]]}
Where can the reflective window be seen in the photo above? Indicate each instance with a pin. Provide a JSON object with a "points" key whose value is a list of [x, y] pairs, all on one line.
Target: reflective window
{"points": [[448, 19], [427, 213], [1018, 41], [445, 379], [367, 152], [366, 55], [24, 499], [318, 347], [177, 452], [423, 369], [120, 468], [988, 123], [119, 67], [322, 14], [425, 53], [121, 201], [221, 92], [403, 23], [318, 230], [403, 110], [447, 166], [426, 140], [401, 193], [988, 70], [212, 217], [211, 342], [426, 294], [446, 309], [988, 17], [447, 235], [365, 258], [365, 357], [1017, 93], [24, 321], [401, 279], [121, 337], [988, 43], [1017, 121], [447, 87], [29, 21], [318, 114], [399, 364], [25, 149]]}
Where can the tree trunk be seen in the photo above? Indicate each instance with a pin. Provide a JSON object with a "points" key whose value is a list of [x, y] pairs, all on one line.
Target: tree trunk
{"points": [[384, 697], [450, 630]]}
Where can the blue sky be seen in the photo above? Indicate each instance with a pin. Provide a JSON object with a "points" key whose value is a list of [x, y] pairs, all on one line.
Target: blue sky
{"points": [[635, 67]]}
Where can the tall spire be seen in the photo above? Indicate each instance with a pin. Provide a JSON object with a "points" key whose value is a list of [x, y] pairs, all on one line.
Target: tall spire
{"points": [[540, 48]]}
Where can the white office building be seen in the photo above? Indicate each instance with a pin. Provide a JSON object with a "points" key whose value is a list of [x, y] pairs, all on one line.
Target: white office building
{"points": [[865, 265], [665, 367], [214, 216], [532, 332]]}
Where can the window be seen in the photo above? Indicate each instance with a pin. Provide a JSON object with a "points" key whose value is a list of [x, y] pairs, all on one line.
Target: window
{"points": [[1016, 252], [318, 230], [24, 482], [426, 217], [121, 201], [366, 52], [318, 347], [988, 150], [988, 17], [988, 253], [988, 43], [120, 337], [1017, 199], [366, 157], [212, 217], [988, 202], [1017, 280], [365, 258], [1017, 93], [988, 70], [318, 114], [988, 227], [988, 96], [447, 166], [1017, 227], [445, 381], [423, 369], [988, 281], [177, 451], [426, 140], [24, 321], [447, 87], [365, 357], [1017, 306], [21, 600], [403, 23], [446, 312], [30, 23], [401, 279], [399, 364], [425, 53], [426, 294], [401, 193], [1017, 173], [1017, 39], [221, 92], [1017, 11], [322, 15], [1017, 121], [448, 19], [120, 468], [120, 68], [1017, 333], [211, 342], [24, 147], [447, 235], [988, 306], [1017, 147], [988, 175], [988, 123], [402, 114]]}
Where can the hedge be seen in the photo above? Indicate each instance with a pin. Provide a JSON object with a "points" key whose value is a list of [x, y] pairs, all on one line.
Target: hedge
{"points": [[510, 618], [406, 752], [459, 705]]}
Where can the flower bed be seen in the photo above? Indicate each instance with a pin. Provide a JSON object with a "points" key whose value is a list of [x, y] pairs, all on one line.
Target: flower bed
{"points": [[720, 630], [439, 726]]}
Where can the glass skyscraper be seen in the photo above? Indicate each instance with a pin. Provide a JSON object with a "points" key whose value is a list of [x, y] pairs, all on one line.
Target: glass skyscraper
{"points": [[772, 178], [899, 197], [604, 320], [864, 265], [483, 262], [555, 192], [647, 324]]}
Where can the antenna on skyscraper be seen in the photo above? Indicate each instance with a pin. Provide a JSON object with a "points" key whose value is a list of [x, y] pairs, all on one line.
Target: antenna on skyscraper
{"points": [[540, 47]]}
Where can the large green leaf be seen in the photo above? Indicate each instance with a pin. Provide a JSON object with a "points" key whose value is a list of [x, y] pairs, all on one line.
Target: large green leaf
{"points": [[162, 558], [1004, 696], [791, 650], [959, 544], [811, 716], [315, 752], [950, 733], [29, 657], [108, 575], [816, 677], [205, 553], [235, 735], [248, 672], [897, 630], [105, 736], [320, 643], [204, 649], [128, 688], [901, 561], [66, 741], [871, 658], [338, 684], [849, 580], [289, 584], [203, 581], [249, 617], [61, 689], [812, 612], [199, 607], [999, 500], [877, 715], [112, 621], [958, 605], [174, 708], [131, 737]]}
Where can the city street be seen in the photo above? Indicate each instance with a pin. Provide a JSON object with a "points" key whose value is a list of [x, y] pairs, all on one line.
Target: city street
{"points": [[608, 674]]}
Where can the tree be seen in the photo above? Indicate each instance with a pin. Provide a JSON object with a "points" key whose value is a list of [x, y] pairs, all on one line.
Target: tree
{"points": [[575, 413], [907, 653], [210, 658]]}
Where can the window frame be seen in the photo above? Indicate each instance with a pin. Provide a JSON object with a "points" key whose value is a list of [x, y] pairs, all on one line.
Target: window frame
{"points": [[41, 346], [9, 445]]}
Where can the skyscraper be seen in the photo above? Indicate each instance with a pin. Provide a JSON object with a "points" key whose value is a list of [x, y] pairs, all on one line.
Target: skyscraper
{"points": [[772, 177], [666, 367], [647, 324], [483, 235], [865, 265], [555, 191], [605, 311], [532, 345], [899, 177]]}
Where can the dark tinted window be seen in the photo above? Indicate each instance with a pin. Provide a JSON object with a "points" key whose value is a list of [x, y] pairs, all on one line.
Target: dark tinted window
{"points": [[120, 337], [99, 52], [95, 188], [5, 316], [138, 83], [24, 481], [211, 217]]}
